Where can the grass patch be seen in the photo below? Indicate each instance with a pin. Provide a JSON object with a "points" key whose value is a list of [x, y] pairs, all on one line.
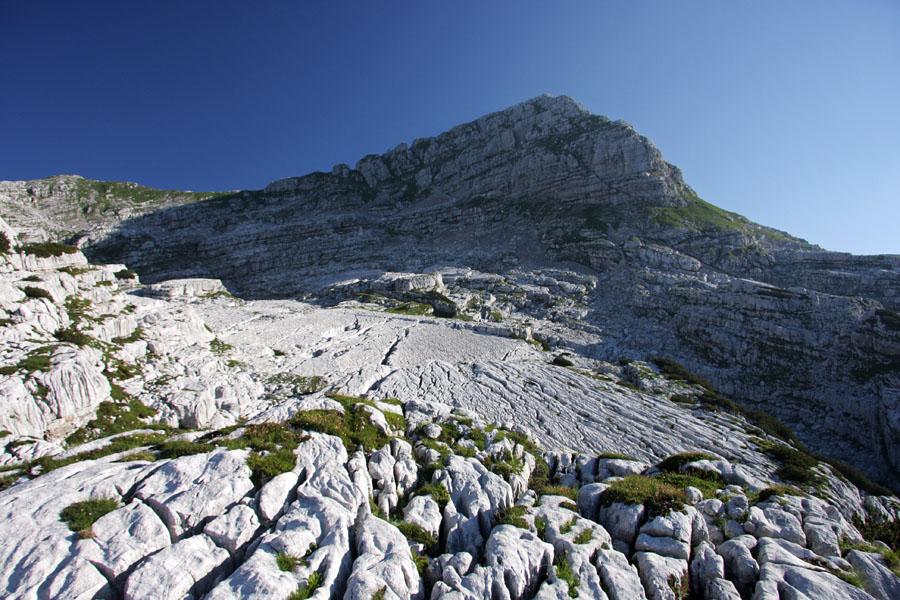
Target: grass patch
{"points": [[218, 347], [304, 592], [302, 384], [565, 573], [415, 533], [698, 215], [286, 562], [179, 448], [657, 496], [126, 274], [615, 455], [134, 336], [585, 536], [568, 525], [776, 490], [411, 308], [113, 418], [352, 426], [704, 481], [71, 335], [675, 371], [47, 249], [673, 463], [558, 490], [421, 562], [82, 515], [796, 466], [437, 491], [274, 463], [512, 516]]}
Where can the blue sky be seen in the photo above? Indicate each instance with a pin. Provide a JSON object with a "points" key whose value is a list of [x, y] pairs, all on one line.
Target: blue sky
{"points": [[786, 112]]}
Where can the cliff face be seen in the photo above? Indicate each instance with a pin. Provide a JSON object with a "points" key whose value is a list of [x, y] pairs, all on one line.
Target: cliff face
{"points": [[569, 220]]}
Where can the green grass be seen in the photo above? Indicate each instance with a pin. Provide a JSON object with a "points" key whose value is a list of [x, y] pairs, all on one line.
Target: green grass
{"points": [[302, 384], [5, 244], [112, 418], [286, 562], [675, 371], [853, 577], [275, 463], [558, 490], [411, 308], [674, 462], [585, 536], [658, 497], [179, 448], [71, 335], [615, 455], [437, 491], [304, 592], [218, 347], [562, 361], [415, 533], [776, 490], [36, 360], [568, 525], [47, 249], [126, 274], [565, 573], [82, 515], [512, 516], [420, 561], [134, 336], [353, 426], [705, 481], [796, 465], [698, 215]]}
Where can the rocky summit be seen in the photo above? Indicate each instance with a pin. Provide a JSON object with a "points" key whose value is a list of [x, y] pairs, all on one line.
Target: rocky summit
{"points": [[521, 359]]}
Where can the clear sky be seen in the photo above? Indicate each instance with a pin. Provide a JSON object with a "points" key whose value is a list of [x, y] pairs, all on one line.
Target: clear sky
{"points": [[786, 112]]}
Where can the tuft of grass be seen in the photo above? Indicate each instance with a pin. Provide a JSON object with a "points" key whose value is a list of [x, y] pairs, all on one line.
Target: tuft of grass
{"points": [[286, 562], [82, 515], [71, 335], [411, 308], [274, 463], [565, 573], [540, 526], [437, 491], [304, 592], [569, 506], [853, 577], [568, 525], [421, 562], [113, 418], [658, 497], [585, 536], [512, 515], [415, 533], [218, 347]]}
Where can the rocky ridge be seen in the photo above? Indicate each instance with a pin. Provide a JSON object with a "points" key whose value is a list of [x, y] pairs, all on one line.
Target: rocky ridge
{"points": [[173, 441]]}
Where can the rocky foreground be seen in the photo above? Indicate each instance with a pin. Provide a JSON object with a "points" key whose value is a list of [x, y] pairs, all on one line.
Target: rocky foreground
{"points": [[172, 441]]}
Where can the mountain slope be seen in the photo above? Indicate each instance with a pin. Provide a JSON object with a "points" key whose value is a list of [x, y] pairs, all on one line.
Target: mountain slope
{"points": [[546, 214]]}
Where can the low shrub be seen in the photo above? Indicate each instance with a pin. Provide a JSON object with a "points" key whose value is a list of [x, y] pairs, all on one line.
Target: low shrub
{"points": [[35, 292], [5, 244], [562, 361], [179, 448], [708, 483], [437, 491], [415, 533], [126, 274], [71, 335]]}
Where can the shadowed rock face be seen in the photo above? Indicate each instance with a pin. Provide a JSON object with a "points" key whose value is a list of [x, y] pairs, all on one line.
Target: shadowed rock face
{"points": [[545, 186]]}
